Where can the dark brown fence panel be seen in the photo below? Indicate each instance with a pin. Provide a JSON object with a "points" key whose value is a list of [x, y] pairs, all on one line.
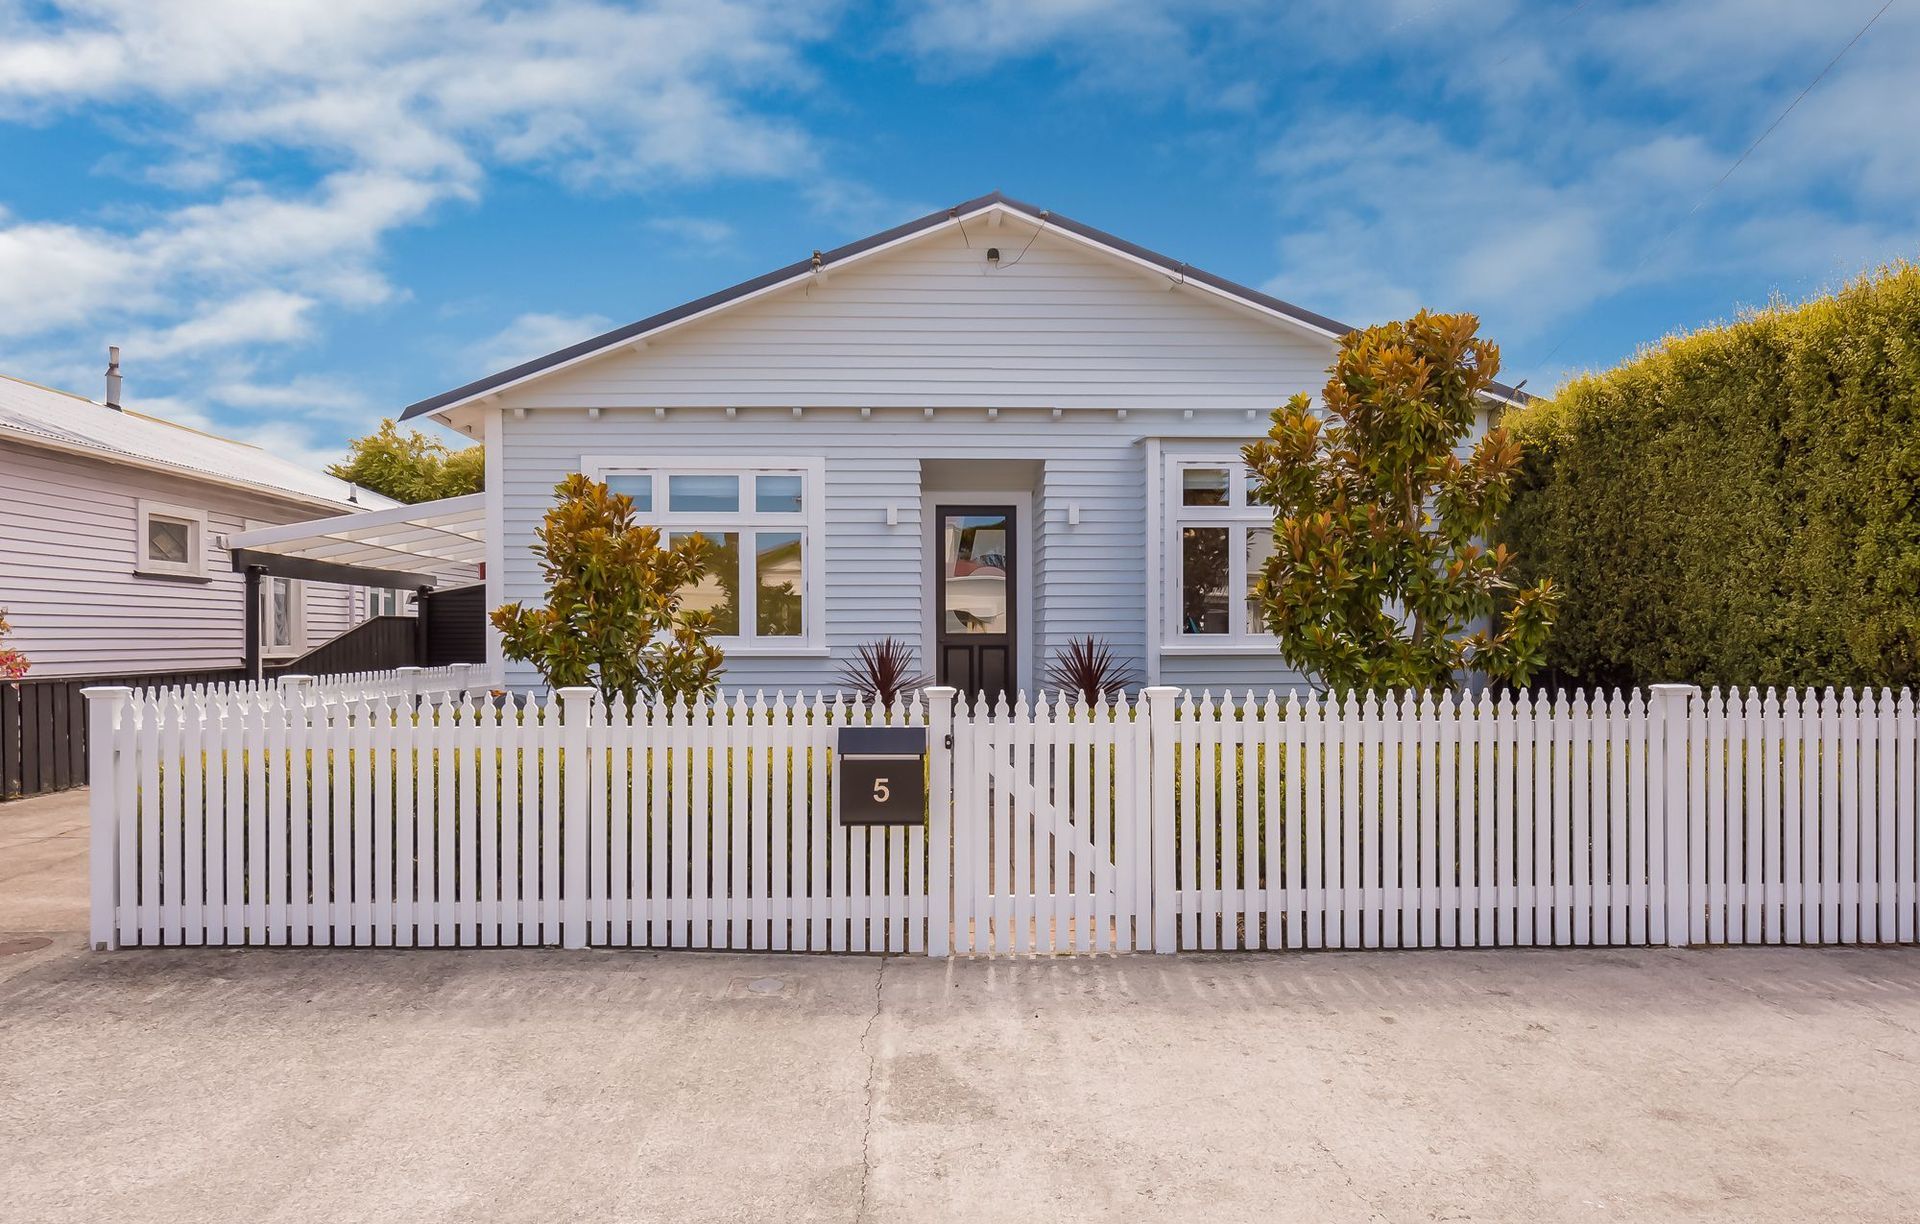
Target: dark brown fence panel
{"points": [[379, 644], [43, 726], [456, 626]]}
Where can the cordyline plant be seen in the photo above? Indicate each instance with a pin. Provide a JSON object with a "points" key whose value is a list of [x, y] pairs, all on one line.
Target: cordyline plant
{"points": [[614, 617], [882, 671], [1379, 573], [1089, 669], [13, 664]]}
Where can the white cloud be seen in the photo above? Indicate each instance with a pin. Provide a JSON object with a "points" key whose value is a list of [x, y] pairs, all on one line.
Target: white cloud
{"points": [[531, 335], [303, 134], [305, 395], [264, 316], [1561, 173]]}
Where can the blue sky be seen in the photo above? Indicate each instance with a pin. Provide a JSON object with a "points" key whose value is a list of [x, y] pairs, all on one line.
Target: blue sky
{"points": [[299, 216]]}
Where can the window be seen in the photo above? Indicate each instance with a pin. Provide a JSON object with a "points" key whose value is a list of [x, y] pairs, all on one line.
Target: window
{"points": [[761, 519], [1219, 545], [171, 542], [385, 602], [284, 621]]}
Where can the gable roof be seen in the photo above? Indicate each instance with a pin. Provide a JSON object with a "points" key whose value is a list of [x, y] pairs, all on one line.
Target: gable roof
{"points": [[64, 421], [822, 261]]}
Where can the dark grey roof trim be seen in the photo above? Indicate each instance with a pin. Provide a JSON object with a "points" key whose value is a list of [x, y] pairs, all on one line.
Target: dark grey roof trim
{"points": [[827, 259]]}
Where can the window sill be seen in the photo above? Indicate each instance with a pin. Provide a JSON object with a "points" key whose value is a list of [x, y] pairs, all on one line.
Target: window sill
{"points": [[762, 652], [1226, 646], [162, 576]]}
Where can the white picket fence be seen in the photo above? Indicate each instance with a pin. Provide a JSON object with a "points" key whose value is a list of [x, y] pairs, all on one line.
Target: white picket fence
{"points": [[1575, 821], [295, 816], [428, 816], [454, 680]]}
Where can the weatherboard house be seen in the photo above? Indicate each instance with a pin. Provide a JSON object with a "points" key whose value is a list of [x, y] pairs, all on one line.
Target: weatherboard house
{"points": [[986, 432]]}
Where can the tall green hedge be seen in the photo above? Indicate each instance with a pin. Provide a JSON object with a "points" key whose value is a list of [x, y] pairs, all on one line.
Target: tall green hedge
{"points": [[1738, 506]]}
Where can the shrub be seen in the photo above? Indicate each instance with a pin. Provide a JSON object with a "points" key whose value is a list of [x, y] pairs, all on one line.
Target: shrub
{"points": [[1741, 505], [1380, 575], [613, 617], [882, 671], [13, 664], [1088, 668]]}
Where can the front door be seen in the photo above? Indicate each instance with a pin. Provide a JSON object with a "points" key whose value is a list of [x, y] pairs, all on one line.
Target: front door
{"points": [[975, 598]]}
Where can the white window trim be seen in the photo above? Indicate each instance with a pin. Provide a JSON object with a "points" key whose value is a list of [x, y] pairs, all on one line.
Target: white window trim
{"points": [[1238, 513], [145, 566], [811, 522], [297, 609]]}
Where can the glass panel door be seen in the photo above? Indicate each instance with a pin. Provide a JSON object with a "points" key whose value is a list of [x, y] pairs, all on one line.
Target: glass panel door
{"points": [[975, 597]]}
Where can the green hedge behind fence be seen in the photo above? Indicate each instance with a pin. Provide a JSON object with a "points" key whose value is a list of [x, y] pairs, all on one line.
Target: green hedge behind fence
{"points": [[1739, 506]]}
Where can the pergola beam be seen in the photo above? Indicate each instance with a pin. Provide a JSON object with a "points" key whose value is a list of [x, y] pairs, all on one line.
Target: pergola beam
{"points": [[273, 565]]}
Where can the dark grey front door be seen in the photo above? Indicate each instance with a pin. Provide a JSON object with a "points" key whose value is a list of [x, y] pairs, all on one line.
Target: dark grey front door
{"points": [[975, 598]]}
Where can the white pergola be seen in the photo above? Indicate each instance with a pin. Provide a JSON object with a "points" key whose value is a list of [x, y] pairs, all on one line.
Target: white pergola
{"points": [[430, 544], [436, 543]]}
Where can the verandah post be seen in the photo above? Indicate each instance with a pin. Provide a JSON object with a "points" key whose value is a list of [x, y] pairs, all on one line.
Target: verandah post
{"points": [[940, 819], [1675, 705], [1160, 701], [104, 704], [576, 707]]}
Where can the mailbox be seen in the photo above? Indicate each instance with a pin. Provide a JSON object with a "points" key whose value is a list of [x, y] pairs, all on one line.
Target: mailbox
{"points": [[881, 775]]}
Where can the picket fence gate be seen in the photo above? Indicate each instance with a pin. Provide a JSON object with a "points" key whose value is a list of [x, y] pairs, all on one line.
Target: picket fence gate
{"points": [[375, 817]]}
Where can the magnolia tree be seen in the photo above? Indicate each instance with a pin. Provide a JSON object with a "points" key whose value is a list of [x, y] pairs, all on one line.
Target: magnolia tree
{"points": [[1379, 576], [614, 616]]}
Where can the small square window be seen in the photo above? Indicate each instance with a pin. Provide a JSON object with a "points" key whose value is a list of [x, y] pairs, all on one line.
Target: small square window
{"points": [[169, 541], [703, 494], [639, 488], [1203, 487], [777, 494]]}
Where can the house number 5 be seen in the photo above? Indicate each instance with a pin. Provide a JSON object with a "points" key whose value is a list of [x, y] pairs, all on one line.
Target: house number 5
{"points": [[880, 792]]}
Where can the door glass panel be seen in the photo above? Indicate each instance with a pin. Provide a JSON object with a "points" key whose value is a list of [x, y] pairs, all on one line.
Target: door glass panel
{"points": [[1203, 580], [709, 494], [1203, 486], [776, 494], [718, 590], [777, 570], [973, 573], [1259, 548], [639, 488]]}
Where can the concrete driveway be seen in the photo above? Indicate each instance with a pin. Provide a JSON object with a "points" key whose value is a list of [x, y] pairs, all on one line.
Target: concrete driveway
{"points": [[523, 1085]]}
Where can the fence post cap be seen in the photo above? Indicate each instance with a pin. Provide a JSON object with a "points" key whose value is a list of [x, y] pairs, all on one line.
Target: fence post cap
{"points": [[296, 682], [106, 692], [405, 670], [575, 692], [1673, 692]]}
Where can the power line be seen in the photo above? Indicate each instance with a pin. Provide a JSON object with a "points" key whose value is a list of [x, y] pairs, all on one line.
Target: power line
{"points": [[1739, 161]]}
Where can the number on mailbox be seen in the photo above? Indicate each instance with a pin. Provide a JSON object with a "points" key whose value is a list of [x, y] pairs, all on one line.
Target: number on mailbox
{"points": [[881, 777]]}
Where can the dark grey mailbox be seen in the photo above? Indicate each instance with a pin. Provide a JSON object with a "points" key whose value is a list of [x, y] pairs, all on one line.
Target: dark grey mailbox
{"points": [[881, 775]]}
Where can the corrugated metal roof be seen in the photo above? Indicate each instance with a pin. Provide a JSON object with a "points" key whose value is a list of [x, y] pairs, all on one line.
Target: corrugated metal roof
{"points": [[61, 419]]}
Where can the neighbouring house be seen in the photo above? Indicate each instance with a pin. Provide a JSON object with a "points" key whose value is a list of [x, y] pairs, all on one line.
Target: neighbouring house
{"points": [[113, 529], [987, 432]]}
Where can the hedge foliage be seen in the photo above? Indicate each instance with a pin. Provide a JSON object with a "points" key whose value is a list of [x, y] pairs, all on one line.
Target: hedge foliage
{"points": [[1740, 505]]}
